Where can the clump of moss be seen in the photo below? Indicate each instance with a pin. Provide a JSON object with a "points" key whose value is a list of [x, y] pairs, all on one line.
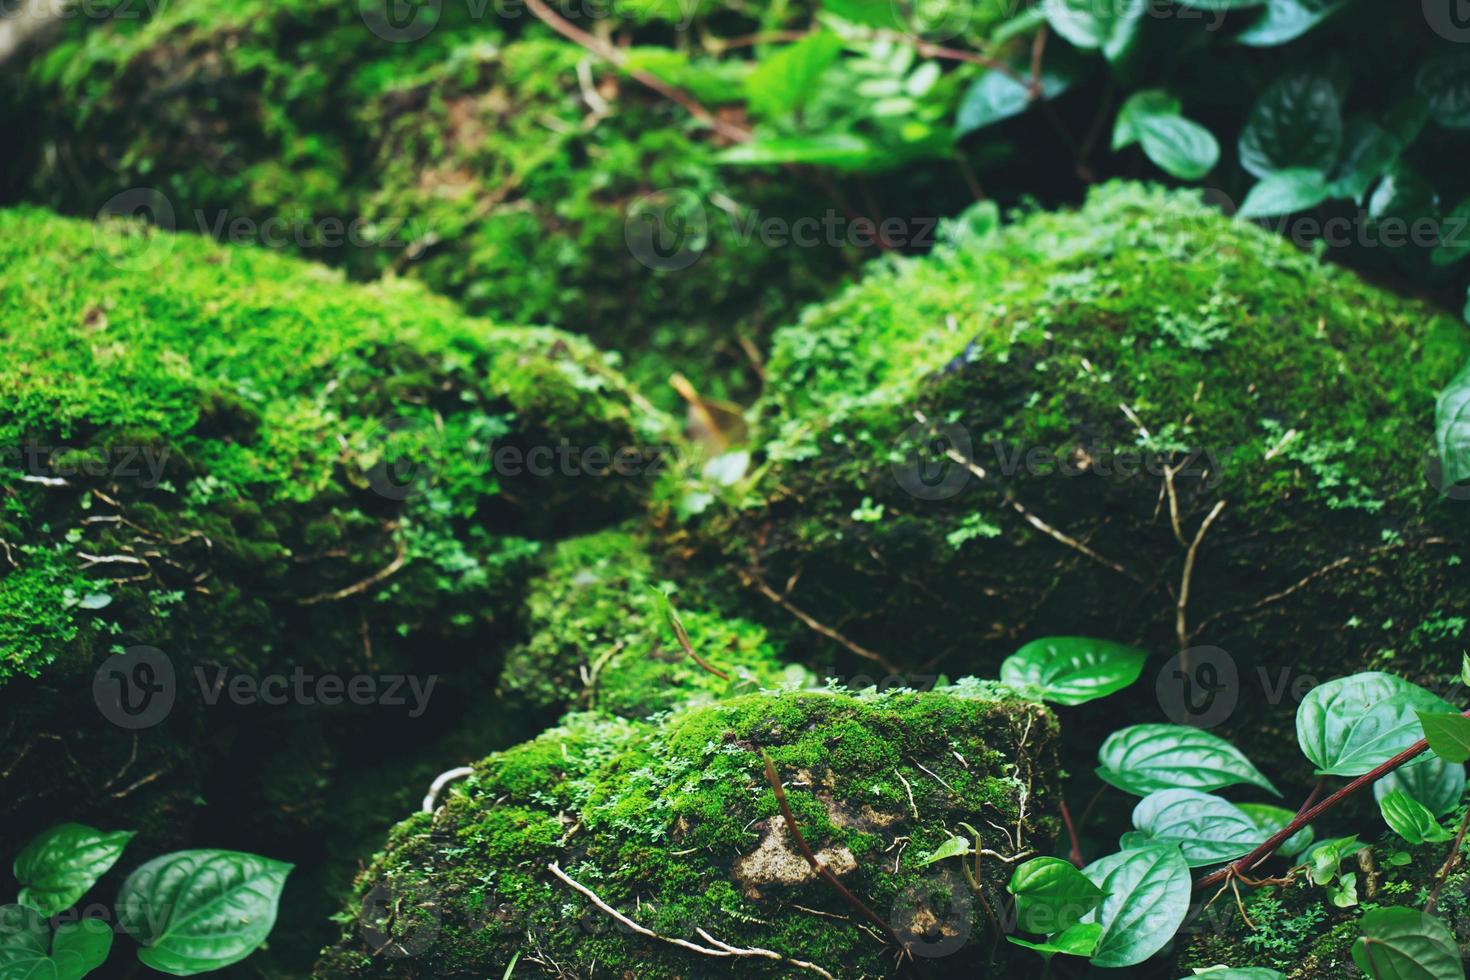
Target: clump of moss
{"points": [[598, 638], [1067, 357], [1298, 930], [676, 827], [504, 167]]}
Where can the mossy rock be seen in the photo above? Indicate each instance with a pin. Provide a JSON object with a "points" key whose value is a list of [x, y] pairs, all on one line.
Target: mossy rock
{"points": [[236, 458], [598, 638], [677, 828], [500, 164], [1297, 928], [1142, 323]]}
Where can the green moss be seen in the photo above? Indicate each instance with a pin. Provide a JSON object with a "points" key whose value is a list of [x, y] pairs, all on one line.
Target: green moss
{"points": [[598, 638], [676, 827], [1311, 391]]}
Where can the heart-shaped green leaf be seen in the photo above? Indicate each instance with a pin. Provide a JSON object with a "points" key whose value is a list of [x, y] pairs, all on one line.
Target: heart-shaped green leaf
{"points": [[1205, 828], [1411, 820], [1429, 779], [1348, 726], [1285, 192], [1079, 940], [1406, 944], [1142, 759], [1271, 819], [1051, 895], [1452, 428], [1146, 893], [1072, 669], [1448, 733], [58, 866], [195, 911], [1296, 124], [77, 949]]}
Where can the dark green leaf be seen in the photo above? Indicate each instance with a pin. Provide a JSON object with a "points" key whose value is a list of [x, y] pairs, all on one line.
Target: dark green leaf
{"points": [[1445, 84], [782, 82], [1296, 124], [1072, 669], [1110, 27], [1448, 733], [1146, 895], [1287, 20], [1079, 940], [1271, 819], [1051, 895], [77, 949], [1406, 944], [1452, 427], [1409, 819], [57, 867], [1206, 829], [1368, 150], [1430, 780], [996, 96], [1179, 147], [1139, 106], [1285, 192], [1348, 726], [195, 911], [1143, 759], [23, 937], [80, 947]]}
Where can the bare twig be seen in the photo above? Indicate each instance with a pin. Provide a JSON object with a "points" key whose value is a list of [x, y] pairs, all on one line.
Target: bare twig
{"points": [[1076, 845], [431, 800], [1450, 862], [357, 587], [1181, 610], [760, 585]]}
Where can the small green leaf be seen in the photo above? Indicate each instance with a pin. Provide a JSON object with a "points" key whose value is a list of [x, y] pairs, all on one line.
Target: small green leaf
{"points": [[1409, 818], [1452, 427], [1139, 106], [1348, 726], [77, 949], [783, 82], [1143, 759], [995, 96], [1406, 944], [195, 911], [1179, 147], [1072, 670], [1285, 192], [956, 846], [1271, 819], [1324, 859], [1448, 734], [1206, 829], [1437, 784], [1287, 20], [1146, 895], [80, 947], [58, 866], [1296, 124], [1051, 895], [1344, 894], [1079, 940]]}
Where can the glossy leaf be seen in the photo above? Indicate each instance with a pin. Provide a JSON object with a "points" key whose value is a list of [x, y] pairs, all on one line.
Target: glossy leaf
{"points": [[1296, 124], [1146, 895], [1411, 820], [1348, 726], [1452, 427], [58, 866], [1324, 859], [1072, 670], [1285, 192], [1405, 944], [1142, 759], [1444, 82], [1179, 147], [1429, 779], [1287, 20], [1206, 829], [1079, 940], [76, 949], [1087, 24], [1051, 895], [195, 911], [1271, 819], [996, 96], [1448, 734], [956, 846]]}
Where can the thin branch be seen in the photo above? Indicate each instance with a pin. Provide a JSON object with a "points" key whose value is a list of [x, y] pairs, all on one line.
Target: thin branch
{"points": [[383, 573], [817, 866], [1076, 854], [760, 585], [1181, 620], [611, 54], [1308, 814], [1450, 862]]}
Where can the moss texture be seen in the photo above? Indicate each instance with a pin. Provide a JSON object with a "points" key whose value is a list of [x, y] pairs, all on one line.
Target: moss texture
{"points": [[1290, 393], [233, 457], [676, 827], [500, 164], [598, 638]]}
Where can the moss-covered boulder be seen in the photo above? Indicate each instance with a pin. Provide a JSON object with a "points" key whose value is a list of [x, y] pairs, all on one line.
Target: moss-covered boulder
{"points": [[599, 637], [969, 450], [499, 163], [234, 458], [677, 829]]}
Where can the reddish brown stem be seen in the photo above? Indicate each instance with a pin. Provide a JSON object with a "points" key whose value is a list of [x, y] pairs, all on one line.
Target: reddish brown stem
{"points": [[1072, 836], [1310, 813]]}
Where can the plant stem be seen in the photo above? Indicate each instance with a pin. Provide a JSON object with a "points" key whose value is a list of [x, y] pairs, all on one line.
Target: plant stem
{"points": [[1308, 814], [1072, 835], [1443, 873]]}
